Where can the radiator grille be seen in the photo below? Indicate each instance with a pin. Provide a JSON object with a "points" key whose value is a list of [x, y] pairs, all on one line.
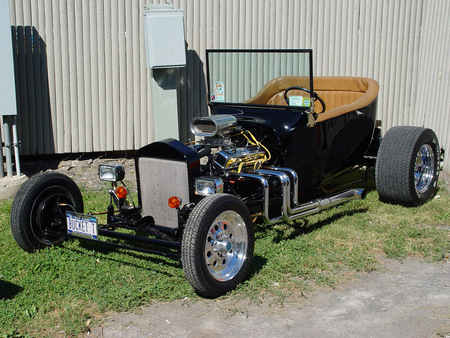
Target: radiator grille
{"points": [[159, 180]]}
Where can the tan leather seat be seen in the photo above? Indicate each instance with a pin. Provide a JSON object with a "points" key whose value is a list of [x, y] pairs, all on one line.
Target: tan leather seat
{"points": [[340, 94]]}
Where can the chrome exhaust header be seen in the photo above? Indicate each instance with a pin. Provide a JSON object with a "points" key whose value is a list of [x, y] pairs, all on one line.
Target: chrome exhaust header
{"points": [[290, 209]]}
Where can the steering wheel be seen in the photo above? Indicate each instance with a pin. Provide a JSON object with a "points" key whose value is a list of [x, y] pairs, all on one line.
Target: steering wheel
{"points": [[314, 96]]}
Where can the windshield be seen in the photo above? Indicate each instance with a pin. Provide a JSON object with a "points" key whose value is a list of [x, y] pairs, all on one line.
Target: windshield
{"points": [[257, 76]]}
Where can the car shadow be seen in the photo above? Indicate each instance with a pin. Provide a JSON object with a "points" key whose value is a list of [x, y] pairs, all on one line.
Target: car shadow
{"points": [[9, 290], [258, 263], [104, 249], [304, 228]]}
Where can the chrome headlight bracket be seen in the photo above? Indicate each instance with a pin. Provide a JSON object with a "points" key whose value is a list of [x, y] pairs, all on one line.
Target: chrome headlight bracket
{"points": [[206, 185], [111, 172]]}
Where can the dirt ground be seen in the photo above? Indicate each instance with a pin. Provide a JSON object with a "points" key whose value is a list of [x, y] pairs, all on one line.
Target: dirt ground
{"points": [[83, 170], [410, 298]]}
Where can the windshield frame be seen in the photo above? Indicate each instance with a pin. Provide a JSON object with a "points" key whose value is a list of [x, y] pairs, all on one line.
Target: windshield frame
{"points": [[309, 58]]}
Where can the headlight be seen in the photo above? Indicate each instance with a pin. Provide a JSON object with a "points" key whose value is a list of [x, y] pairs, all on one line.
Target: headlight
{"points": [[205, 186], [111, 172]]}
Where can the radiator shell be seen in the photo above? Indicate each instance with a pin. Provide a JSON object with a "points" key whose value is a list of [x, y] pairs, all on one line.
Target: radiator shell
{"points": [[159, 180]]}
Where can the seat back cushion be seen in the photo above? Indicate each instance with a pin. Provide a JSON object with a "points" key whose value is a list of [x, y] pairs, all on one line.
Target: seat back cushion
{"points": [[336, 98], [340, 94]]}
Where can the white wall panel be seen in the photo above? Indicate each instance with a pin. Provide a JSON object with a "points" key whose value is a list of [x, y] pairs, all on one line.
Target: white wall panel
{"points": [[84, 86], [431, 102]]}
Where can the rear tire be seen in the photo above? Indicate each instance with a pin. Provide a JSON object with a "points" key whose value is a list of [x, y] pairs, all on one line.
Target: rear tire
{"points": [[38, 211], [217, 245], [407, 167]]}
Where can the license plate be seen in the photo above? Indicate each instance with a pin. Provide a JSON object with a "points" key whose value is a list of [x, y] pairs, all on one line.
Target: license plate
{"points": [[81, 225]]}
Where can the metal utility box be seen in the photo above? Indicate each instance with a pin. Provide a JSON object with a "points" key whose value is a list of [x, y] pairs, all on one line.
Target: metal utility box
{"points": [[164, 37], [7, 79]]}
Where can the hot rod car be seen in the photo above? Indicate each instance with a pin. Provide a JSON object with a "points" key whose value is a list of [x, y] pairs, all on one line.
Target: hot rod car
{"points": [[277, 146]]}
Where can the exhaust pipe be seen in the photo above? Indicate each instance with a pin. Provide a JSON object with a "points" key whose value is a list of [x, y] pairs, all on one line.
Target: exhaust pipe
{"points": [[290, 209], [328, 202]]}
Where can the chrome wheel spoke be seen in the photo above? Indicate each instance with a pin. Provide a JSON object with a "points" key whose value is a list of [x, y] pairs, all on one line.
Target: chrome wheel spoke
{"points": [[424, 168], [226, 245]]}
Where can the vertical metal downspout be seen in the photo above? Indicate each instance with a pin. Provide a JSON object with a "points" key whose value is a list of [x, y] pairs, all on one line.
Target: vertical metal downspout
{"points": [[7, 139], [2, 170], [16, 147], [6, 142]]}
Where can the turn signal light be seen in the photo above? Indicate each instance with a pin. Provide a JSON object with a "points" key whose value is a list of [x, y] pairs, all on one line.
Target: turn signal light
{"points": [[121, 192], [174, 202]]}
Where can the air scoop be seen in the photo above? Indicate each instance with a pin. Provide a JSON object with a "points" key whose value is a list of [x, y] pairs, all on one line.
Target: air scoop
{"points": [[209, 126]]}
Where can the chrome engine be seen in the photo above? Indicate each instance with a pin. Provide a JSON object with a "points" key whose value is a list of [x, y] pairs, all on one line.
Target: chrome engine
{"points": [[227, 157], [235, 158]]}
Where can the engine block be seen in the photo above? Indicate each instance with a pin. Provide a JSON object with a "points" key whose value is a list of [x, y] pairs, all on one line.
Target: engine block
{"points": [[235, 158]]}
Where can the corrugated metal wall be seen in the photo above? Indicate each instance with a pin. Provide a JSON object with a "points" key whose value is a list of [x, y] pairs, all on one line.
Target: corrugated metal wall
{"points": [[83, 85], [431, 104], [87, 63]]}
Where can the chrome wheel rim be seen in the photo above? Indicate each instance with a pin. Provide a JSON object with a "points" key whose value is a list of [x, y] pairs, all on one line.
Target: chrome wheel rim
{"points": [[424, 169], [226, 246]]}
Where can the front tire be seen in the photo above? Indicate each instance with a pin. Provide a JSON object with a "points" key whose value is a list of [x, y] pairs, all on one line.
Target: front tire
{"points": [[38, 211], [217, 245], [407, 167]]}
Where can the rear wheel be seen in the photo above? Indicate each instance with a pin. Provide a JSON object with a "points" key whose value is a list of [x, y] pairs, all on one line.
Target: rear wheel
{"points": [[38, 211], [217, 245], [407, 166]]}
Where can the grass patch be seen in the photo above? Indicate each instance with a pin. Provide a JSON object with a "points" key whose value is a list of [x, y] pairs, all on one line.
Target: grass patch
{"points": [[63, 290]]}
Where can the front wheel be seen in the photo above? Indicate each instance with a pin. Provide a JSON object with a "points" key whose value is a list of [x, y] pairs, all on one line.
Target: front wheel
{"points": [[407, 166], [217, 245], [38, 216]]}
